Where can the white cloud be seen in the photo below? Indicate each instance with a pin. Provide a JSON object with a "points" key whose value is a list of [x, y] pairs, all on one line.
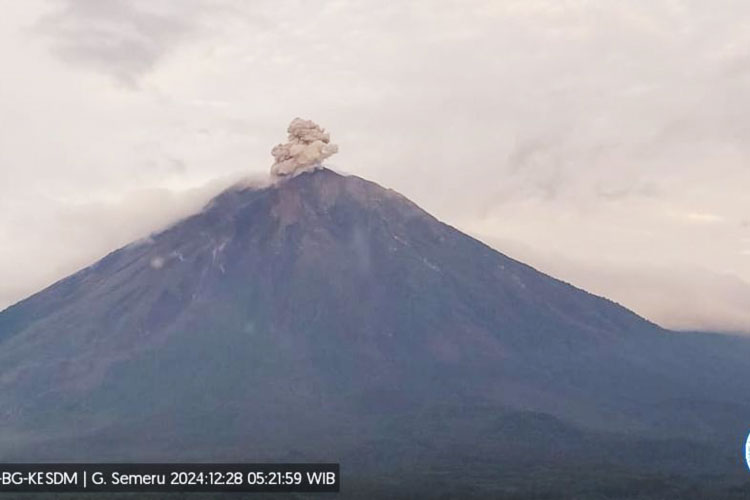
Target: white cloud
{"points": [[703, 217]]}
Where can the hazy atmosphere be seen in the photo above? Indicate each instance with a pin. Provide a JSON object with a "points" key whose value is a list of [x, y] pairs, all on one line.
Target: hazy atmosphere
{"points": [[606, 143]]}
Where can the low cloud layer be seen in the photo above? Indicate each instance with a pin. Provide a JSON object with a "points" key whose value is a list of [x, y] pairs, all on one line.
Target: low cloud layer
{"points": [[308, 146]]}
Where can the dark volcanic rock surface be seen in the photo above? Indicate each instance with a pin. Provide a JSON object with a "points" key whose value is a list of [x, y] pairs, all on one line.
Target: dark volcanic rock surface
{"points": [[329, 318]]}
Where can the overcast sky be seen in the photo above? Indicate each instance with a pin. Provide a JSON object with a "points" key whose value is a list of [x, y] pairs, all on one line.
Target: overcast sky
{"points": [[604, 142]]}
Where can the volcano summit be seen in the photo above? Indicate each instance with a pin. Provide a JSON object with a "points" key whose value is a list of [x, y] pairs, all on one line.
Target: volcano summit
{"points": [[325, 318]]}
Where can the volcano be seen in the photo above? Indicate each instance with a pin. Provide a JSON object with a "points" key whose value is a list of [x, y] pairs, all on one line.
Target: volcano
{"points": [[327, 318]]}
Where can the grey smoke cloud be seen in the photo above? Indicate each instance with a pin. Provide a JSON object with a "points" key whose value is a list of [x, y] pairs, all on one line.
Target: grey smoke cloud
{"points": [[308, 145]]}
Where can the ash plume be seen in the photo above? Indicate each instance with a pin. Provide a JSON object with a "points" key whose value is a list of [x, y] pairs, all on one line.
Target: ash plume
{"points": [[308, 145]]}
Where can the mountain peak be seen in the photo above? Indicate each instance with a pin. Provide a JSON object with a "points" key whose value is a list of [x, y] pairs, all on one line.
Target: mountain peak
{"points": [[313, 191], [345, 244], [321, 301], [315, 277]]}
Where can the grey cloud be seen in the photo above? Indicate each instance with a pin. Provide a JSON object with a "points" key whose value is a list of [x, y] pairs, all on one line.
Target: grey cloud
{"points": [[622, 192], [122, 38], [539, 165]]}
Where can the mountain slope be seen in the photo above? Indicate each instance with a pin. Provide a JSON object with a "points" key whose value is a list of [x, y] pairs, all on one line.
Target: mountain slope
{"points": [[326, 317]]}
